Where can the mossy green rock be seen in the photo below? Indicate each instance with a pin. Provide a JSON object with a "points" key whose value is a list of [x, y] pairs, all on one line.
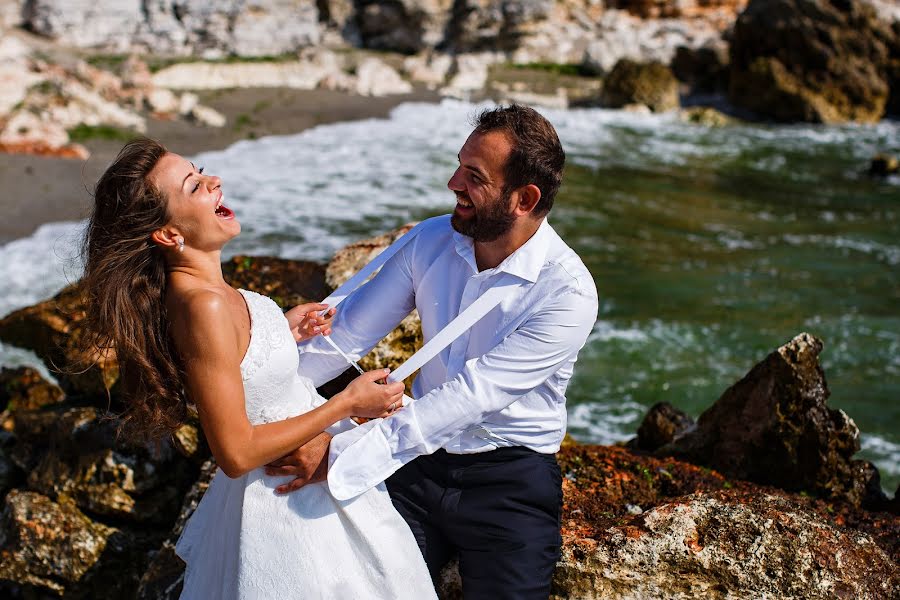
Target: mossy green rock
{"points": [[811, 60], [650, 84]]}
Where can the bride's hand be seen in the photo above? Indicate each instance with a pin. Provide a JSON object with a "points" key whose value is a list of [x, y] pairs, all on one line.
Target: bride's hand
{"points": [[366, 398], [306, 321]]}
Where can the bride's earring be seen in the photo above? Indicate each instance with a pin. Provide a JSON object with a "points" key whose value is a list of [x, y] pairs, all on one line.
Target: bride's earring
{"points": [[181, 244]]}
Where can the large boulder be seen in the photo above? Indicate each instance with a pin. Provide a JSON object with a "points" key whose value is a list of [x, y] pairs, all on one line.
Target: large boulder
{"points": [[81, 457], [811, 60], [725, 545], [651, 84], [639, 527], [773, 427], [53, 330], [47, 544]]}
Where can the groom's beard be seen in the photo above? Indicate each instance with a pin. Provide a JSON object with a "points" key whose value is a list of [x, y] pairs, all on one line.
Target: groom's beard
{"points": [[489, 222]]}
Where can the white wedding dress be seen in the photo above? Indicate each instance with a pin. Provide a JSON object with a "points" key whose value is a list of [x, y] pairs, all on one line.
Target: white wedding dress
{"points": [[244, 541]]}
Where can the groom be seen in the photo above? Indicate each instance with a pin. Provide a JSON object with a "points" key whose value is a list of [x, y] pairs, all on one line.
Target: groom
{"points": [[470, 464]]}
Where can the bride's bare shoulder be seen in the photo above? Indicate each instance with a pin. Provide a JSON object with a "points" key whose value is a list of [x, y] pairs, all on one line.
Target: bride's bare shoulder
{"points": [[201, 313]]}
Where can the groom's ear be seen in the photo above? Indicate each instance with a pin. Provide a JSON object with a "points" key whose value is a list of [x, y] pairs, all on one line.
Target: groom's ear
{"points": [[165, 237], [526, 198]]}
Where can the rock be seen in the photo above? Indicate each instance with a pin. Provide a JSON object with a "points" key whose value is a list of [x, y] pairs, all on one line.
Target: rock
{"points": [[883, 165], [11, 13], [16, 74], [706, 116], [662, 424], [429, 68], [725, 545], [652, 85], [287, 282], [135, 73], [351, 258], [893, 104], [85, 23], [46, 544], [161, 100], [773, 427], [810, 60], [267, 27], [9, 472], [23, 388], [403, 25], [242, 27], [188, 441], [375, 78], [187, 102], [618, 35], [84, 459], [301, 75], [163, 578], [702, 70], [207, 116], [470, 74], [24, 127], [85, 105], [52, 329]]}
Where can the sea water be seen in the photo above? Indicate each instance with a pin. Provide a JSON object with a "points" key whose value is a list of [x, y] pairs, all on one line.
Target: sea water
{"points": [[710, 247]]}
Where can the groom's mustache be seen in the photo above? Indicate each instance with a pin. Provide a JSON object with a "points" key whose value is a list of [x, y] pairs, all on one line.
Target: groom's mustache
{"points": [[460, 196]]}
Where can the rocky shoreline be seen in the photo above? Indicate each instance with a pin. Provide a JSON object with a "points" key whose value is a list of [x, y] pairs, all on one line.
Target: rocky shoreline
{"points": [[73, 67], [760, 496]]}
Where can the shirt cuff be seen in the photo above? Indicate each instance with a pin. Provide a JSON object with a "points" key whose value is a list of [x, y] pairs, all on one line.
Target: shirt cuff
{"points": [[358, 460]]}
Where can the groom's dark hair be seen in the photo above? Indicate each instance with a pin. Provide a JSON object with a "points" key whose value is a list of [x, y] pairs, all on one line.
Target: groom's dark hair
{"points": [[536, 157]]}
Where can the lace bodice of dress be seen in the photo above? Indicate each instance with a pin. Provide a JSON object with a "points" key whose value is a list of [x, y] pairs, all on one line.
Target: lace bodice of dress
{"points": [[273, 390]]}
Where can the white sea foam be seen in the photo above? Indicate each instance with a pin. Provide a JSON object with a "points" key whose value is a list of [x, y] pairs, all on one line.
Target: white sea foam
{"points": [[885, 453], [605, 423], [38, 266]]}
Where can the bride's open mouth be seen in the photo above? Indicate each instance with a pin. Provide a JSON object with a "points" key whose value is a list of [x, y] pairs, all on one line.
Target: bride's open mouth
{"points": [[222, 211]]}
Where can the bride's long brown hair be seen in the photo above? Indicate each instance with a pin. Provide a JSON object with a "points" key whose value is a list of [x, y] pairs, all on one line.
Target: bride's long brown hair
{"points": [[124, 286]]}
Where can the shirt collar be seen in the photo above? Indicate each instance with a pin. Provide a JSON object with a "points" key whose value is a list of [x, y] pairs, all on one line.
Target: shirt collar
{"points": [[526, 262]]}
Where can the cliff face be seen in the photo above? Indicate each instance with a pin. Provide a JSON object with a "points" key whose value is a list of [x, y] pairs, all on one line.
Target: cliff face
{"points": [[531, 30]]}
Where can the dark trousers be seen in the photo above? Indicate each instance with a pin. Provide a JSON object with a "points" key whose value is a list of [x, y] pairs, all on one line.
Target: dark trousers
{"points": [[497, 511]]}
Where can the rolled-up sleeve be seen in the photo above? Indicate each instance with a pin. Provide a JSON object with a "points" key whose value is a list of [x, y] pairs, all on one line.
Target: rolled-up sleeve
{"points": [[520, 363]]}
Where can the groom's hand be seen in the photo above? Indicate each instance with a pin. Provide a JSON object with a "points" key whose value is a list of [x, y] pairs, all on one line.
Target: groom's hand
{"points": [[307, 464]]}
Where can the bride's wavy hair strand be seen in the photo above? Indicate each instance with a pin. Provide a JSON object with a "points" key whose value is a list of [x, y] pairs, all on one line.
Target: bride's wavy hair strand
{"points": [[124, 288]]}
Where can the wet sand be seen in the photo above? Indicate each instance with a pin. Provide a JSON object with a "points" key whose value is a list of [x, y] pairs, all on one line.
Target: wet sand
{"points": [[37, 190]]}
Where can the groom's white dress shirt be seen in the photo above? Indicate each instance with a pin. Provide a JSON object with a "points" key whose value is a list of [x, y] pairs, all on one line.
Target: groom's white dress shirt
{"points": [[501, 383]]}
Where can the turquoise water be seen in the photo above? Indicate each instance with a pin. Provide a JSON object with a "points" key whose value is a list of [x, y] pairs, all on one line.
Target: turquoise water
{"points": [[707, 266], [710, 247]]}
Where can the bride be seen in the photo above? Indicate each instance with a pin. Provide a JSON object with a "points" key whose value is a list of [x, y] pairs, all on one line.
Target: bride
{"points": [[157, 297]]}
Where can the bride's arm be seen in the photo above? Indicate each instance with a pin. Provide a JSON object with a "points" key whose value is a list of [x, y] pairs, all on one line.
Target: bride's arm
{"points": [[211, 353]]}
